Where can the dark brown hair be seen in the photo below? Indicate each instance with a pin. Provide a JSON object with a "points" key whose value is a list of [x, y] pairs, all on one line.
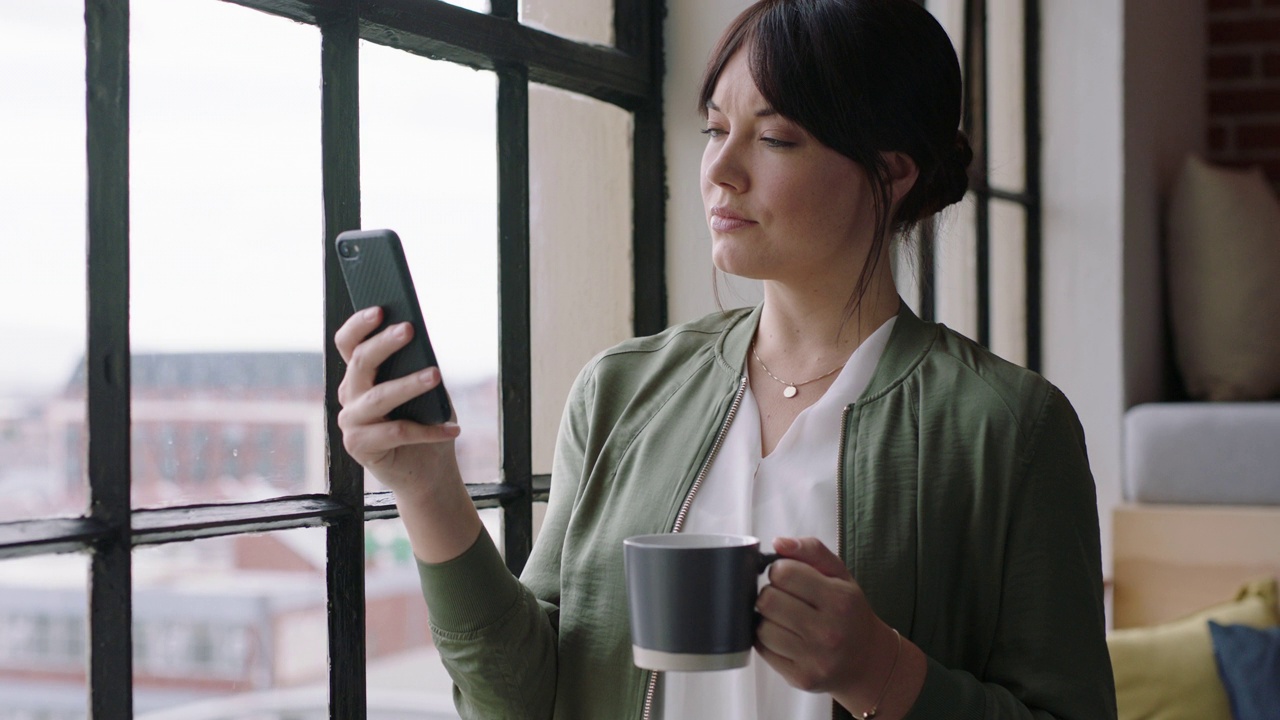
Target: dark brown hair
{"points": [[863, 77]]}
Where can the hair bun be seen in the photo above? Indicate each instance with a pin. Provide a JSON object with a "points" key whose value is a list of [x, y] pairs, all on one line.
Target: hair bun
{"points": [[952, 180]]}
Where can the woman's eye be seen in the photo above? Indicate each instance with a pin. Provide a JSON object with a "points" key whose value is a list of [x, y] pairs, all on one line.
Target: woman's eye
{"points": [[776, 143], [712, 132]]}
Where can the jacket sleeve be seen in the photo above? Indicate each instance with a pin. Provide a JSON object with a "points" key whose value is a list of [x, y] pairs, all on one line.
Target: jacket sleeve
{"points": [[497, 635], [1048, 658]]}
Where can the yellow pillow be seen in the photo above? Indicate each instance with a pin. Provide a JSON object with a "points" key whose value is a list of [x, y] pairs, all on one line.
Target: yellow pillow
{"points": [[1167, 672]]}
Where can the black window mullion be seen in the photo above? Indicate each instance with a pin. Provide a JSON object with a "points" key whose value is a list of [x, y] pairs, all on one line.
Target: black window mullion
{"points": [[629, 76], [926, 234], [927, 238], [638, 32], [514, 376], [442, 31], [49, 535], [1032, 187], [976, 115], [340, 148], [107, 357], [1018, 198], [194, 522], [505, 9]]}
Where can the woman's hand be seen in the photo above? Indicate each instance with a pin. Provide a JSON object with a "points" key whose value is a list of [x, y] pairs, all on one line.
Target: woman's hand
{"points": [[819, 632], [416, 461], [402, 454]]}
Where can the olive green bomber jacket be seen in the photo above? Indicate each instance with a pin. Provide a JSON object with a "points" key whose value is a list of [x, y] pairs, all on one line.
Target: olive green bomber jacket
{"points": [[968, 516]]}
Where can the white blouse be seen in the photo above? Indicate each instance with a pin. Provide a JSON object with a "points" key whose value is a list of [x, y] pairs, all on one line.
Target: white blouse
{"points": [[790, 493]]}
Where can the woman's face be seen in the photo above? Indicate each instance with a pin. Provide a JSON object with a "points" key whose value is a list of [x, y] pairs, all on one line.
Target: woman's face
{"points": [[780, 204]]}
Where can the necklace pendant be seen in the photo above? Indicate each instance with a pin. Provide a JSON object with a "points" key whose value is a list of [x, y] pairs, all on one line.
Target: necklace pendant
{"points": [[790, 391]]}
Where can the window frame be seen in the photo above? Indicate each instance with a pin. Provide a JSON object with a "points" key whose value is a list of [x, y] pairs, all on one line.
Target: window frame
{"points": [[976, 124], [627, 75]]}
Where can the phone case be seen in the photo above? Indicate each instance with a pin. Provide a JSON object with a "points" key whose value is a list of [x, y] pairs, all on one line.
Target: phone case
{"points": [[376, 273]]}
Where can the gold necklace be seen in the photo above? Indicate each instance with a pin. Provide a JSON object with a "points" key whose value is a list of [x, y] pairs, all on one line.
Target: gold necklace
{"points": [[790, 389]]}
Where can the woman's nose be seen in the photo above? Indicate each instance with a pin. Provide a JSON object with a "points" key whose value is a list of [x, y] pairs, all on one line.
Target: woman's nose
{"points": [[724, 166]]}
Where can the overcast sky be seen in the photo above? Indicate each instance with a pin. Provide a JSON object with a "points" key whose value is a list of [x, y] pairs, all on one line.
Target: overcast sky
{"points": [[226, 230]]}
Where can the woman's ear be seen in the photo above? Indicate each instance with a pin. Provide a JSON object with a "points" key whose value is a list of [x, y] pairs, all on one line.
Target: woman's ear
{"points": [[903, 173]]}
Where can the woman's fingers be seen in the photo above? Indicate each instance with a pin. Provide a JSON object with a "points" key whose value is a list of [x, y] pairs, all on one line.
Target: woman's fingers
{"points": [[356, 328], [813, 552], [375, 403], [783, 621], [814, 624], [370, 442], [778, 641], [367, 434], [364, 359], [803, 581]]}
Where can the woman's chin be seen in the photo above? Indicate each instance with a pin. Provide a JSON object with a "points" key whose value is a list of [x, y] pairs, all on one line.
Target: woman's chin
{"points": [[738, 266], [736, 270]]}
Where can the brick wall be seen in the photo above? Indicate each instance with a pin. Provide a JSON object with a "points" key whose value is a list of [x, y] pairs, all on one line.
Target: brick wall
{"points": [[1244, 83]]}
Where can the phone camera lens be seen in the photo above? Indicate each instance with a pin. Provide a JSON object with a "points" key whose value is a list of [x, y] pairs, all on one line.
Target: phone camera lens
{"points": [[348, 249]]}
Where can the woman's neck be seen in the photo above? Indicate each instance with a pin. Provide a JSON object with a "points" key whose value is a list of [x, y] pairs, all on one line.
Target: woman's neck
{"points": [[807, 330]]}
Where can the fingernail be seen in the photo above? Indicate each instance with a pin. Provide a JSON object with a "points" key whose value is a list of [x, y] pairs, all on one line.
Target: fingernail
{"points": [[784, 544], [370, 313], [402, 330], [427, 376]]}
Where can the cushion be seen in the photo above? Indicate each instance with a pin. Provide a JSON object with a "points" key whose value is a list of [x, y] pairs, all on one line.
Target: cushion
{"points": [[1203, 453], [1224, 300], [1249, 665], [1168, 672]]}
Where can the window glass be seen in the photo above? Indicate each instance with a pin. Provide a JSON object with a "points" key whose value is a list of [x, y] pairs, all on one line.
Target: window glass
{"points": [[906, 262], [1007, 105], [43, 637], [476, 5], [585, 21], [226, 228], [1008, 281], [232, 628], [954, 266], [950, 14], [580, 245], [428, 171], [42, 272], [955, 278]]}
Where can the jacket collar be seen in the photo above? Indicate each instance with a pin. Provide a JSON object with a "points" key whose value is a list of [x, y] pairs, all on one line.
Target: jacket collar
{"points": [[908, 344], [910, 340]]}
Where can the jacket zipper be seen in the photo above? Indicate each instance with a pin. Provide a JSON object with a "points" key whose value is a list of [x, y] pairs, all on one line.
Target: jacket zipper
{"points": [[840, 534], [652, 685]]}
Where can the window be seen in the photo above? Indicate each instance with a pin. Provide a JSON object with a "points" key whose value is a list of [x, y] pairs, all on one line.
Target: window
{"points": [[985, 279], [114, 434]]}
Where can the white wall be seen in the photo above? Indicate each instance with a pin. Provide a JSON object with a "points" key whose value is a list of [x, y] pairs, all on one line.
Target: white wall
{"points": [[580, 246], [1083, 238], [692, 28]]}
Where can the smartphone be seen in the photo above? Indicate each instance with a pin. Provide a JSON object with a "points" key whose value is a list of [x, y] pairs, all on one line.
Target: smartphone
{"points": [[376, 273]]}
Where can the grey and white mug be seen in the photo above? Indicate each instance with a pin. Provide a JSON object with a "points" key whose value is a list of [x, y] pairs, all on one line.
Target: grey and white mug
{"points": [[692, 598]]}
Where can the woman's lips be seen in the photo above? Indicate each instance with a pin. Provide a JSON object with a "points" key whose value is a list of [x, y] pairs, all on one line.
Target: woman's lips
{"points": [[724, 221]]}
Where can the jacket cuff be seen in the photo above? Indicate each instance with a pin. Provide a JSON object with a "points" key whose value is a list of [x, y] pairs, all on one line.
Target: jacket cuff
{"points": [[947, 694], [471, 591]]}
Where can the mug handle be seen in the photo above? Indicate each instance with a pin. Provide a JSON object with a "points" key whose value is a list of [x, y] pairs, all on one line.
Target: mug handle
{"points": [[764, 561]]}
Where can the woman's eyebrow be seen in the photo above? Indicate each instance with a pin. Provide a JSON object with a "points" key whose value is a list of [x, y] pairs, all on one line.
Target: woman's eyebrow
{"points": [[762, 112]]}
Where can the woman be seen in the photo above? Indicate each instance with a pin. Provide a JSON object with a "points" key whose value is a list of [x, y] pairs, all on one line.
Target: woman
{"points": [[932, 504]]}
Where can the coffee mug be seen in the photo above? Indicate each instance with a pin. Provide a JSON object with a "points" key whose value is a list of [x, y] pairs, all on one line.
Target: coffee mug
{"points": [[692, 599]]}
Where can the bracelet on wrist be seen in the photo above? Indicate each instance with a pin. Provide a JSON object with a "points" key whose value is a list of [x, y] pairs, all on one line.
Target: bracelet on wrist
{"points": [[875, 709]]}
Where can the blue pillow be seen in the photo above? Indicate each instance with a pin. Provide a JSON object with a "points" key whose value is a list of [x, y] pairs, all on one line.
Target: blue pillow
{"points": [[1249, 665]]}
